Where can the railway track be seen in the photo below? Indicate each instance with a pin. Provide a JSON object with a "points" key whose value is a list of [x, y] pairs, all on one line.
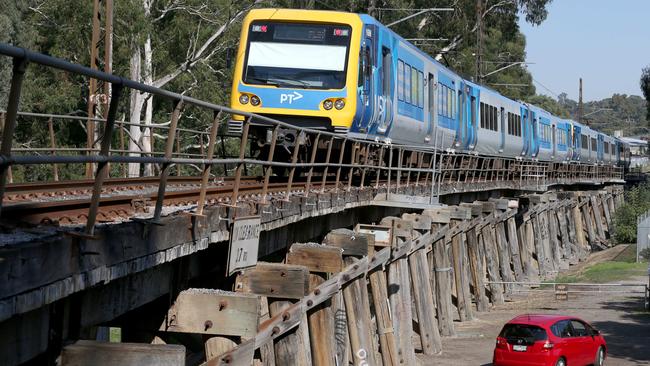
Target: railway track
{"points": [[67, 203]]}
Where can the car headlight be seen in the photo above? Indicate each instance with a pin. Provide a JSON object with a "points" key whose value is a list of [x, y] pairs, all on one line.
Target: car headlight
{"points": [[255, 100], [243, 99], [339, 104], [328, 104]]}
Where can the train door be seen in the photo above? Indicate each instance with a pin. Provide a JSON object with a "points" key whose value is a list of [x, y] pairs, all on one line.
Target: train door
{"points": [[431, 91], [385, 93], [525, 130], [474, 104], [534, 133], [553, 139], [600, 148], [577, 142], [467, 127], [502, 146], [462, 112], [367, 64]]}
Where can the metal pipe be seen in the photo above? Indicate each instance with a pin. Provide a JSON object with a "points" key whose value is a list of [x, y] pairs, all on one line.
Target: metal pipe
{"points": [[338, 170], [314, 149], [169, 147], [327, 163], [102, 168], [18, 74], [55, 169], [269, 170], [242, 153], [207, 167], [294, 160]]}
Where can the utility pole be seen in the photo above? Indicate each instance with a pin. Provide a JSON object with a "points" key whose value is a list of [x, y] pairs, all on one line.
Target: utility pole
{"points": [[479, 41], [580, 103], [99, 92]]}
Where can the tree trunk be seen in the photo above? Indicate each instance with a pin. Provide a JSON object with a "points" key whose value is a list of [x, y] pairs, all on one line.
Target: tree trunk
{"points": [[136, 110], [147, 136]]}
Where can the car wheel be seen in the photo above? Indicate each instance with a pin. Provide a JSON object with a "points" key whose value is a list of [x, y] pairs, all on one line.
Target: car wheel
{"points": [[560, 362], [600, 357]]}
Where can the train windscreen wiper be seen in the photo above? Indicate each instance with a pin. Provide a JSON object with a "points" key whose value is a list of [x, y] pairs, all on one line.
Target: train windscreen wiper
{"points": [[265, 81]]}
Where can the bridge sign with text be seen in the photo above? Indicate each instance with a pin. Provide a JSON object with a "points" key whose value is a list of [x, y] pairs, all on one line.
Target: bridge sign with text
{"points": [[244, 243]]}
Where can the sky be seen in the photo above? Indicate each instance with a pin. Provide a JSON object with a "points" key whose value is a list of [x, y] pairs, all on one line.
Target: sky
{"points": [[606, 42]]}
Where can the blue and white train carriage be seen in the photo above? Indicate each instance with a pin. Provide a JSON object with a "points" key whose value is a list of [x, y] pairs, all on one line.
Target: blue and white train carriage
{"points": [[349, 74]]}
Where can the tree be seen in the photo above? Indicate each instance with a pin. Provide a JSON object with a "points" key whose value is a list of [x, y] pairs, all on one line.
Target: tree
{"points": [[645, 87]]}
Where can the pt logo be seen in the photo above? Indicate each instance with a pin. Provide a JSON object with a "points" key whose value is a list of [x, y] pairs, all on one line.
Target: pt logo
{"points": [[290, 98]]}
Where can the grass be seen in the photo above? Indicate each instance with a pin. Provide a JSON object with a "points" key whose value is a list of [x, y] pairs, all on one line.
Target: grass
{"points": [[621, 268]]}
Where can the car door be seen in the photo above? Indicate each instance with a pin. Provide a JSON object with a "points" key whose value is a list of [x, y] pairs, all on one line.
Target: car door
{"points": [[584, 341], [566, 345]]}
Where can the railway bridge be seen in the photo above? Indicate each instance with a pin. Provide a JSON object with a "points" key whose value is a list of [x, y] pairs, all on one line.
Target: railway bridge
{"points": [[351, 251]]}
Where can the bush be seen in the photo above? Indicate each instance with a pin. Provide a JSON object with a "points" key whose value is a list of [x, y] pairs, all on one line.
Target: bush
{"points": [[637, 202]]}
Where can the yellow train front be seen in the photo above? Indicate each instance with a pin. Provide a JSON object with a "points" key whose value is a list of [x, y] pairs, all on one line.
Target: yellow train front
{"points": [[299, 67]]}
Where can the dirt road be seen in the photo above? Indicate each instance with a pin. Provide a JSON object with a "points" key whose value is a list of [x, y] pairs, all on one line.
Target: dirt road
{"points": [[620, 317]]}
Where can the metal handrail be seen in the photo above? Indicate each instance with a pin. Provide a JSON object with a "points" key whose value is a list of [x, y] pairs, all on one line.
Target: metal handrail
{"points": [[404, 170]]}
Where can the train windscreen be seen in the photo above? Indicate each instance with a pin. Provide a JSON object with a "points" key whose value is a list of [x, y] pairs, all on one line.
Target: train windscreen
{"points": [[310, 56]]}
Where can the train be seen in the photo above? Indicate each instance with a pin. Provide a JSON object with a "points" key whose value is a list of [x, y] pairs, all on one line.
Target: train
{"points": [[349, 74]]}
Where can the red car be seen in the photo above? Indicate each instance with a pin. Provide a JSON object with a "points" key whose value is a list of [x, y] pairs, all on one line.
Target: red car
{"points": [[549, 340]]}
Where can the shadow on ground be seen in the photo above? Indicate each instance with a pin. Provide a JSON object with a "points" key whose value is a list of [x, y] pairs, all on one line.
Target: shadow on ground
{"points": [[628, 338]]}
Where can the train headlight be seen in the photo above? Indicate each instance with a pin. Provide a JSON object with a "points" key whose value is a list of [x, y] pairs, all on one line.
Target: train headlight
{"points": [[328, 104], [255, 100], [243, 99], [339, 104]]}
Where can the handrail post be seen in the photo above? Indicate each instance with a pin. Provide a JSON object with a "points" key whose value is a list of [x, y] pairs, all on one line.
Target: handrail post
{"points": [[327, 163], [312, 160], [18, 74], [269, 160], [103, 167], [208, 166], [240, 164], [294, 160], [169, 148], [55, 169], [353, 158], [338, 170]]}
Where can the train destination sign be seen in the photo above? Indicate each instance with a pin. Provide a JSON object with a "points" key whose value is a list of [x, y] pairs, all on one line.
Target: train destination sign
{"points": [[244, 243]]}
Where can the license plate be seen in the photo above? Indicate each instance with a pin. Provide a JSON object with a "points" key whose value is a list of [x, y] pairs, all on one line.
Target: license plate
{"points": [[519, 348]]}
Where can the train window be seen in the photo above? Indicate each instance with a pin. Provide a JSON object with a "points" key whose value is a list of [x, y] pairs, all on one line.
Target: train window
{"points": [[420, 89], [593, 144], [444, 100], [407, 83], [414, 86], [473, 111], [482, 122], [432, 97], [606, 147], [386, 71], [440, 103], [495, 120], [400, 80], [584, 141], [450, 103]]}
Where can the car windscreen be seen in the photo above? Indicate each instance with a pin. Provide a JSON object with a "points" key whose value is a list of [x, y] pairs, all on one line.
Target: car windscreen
{"points": [[310, 56], [523, 334]]}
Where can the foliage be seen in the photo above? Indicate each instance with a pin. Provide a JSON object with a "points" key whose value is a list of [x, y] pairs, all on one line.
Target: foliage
{"points": [[63, 29], [619, 112], [645, 87], [637, 202]]}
